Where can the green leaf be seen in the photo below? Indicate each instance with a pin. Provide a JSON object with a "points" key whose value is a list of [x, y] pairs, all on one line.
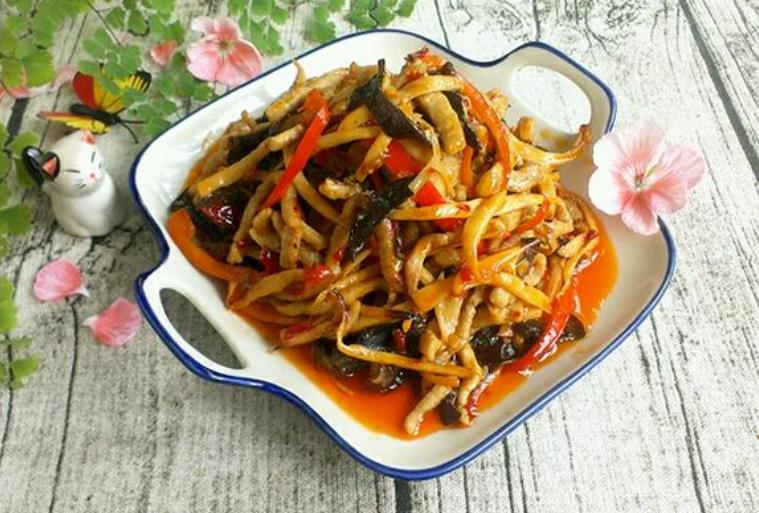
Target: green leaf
{"points": [[363, 5], [320, 31], [176, 31], [261, 7], [8, 315], [136, 23], [382, 15], [23, 176], [16, 24], [387, 3], [12, 72], [3, 373], [101, 37], [321, 13], [16, 220], [23, 49], [21, 5], [361, 20], [5, 165], [6, 288], [23, 140], [7, 41], [3, 135], [116, 18], [405, 8], [93, 49], [235, 7], [335, 5], [89, 67], [22, 369], [5, 193], [39, 67], [16, 343], [279, 15]]}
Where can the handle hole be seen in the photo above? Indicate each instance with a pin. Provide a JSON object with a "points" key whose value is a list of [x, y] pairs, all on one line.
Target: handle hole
{"points": [[196, 330], [552, 97]]}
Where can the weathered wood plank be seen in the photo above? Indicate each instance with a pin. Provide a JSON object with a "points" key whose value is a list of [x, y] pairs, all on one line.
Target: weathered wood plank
{"points": [[668, 423], [726, 37]]}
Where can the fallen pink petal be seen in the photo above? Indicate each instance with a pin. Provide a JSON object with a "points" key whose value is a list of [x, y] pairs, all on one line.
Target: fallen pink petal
{"points": [[63, 76], [58, 280], [117, 324], [222, 55], [163, 52], [639, 177]]}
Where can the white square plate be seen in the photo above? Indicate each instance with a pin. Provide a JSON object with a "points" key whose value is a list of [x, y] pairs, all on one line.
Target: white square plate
{"points": [[645, 263]]}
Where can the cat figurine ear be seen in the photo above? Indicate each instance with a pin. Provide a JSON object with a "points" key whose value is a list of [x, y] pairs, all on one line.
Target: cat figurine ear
{"points": [[41, 166], [85, 200]]}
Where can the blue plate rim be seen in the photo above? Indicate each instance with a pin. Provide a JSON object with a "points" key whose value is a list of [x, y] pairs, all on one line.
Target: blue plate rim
{"points": [[400, 473]]}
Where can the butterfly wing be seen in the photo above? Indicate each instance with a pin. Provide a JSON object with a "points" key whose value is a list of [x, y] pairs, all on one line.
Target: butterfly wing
{"points": [[76, 121], [111, 104], [84, 87]]}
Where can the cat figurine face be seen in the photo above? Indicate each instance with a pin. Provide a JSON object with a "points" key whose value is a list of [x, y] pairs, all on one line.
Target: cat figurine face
{"points": [[84, 199], [72, 167]]}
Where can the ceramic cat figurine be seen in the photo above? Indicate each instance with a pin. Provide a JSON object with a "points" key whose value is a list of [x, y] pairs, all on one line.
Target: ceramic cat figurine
{"points": [[85, 200]]}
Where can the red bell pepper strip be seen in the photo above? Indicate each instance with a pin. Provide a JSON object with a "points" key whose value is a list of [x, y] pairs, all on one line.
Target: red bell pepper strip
{"points": [[398, 162], [534, 220], [429, 195], [182, 232], [484, 112], [303, 152], [563, 306]]}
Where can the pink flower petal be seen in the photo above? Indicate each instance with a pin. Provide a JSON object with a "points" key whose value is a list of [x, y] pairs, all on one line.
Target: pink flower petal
{"points": [[685, 162], [240, 65], [226, 29], [163, 52], [638, 216], [58, 280], [63, 76], [202, 24], [117, 324], [631, 149], [204, 60], [609, 190]]}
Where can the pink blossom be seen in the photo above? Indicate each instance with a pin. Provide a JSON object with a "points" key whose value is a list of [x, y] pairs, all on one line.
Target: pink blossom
{"points": [[640, 177], [117, 324], [63, 76], [58, 280], [222, 55], [163, 52]]}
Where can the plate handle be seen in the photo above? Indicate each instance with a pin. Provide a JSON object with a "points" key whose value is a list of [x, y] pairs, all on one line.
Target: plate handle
{"points": [[168, 276], [600, 97]]}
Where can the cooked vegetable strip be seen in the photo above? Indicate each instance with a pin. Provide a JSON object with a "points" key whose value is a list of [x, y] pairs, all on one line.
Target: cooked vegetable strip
{"points": [[229, 175], [303, 152], [445, 120], [182, 232], [312, 196], [392, 119], [427, 85], [292, 98], [393, 230], [498, 130]]}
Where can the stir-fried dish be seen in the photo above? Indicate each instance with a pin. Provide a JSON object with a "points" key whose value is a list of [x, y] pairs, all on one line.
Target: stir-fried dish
{"points": [[397, 226]]}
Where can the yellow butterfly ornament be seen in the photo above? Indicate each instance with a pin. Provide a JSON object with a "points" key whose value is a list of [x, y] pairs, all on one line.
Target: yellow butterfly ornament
{"points": [[99, 109]]}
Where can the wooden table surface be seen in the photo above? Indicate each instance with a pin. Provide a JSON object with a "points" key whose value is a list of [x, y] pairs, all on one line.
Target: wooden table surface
{"points": [[669, 422]]}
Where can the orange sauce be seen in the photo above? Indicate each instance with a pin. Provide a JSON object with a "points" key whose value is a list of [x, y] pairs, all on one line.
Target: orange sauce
{"points": [[385, 412]]}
